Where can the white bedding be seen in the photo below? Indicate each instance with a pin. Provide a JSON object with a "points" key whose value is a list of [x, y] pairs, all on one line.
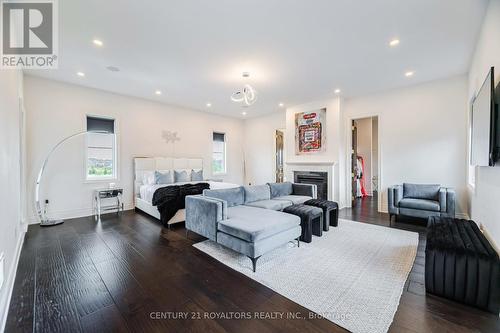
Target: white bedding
{"points": [[146, 191]]}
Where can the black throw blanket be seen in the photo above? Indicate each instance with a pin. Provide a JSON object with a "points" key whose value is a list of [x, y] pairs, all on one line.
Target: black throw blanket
{"points": [[170, 199]]}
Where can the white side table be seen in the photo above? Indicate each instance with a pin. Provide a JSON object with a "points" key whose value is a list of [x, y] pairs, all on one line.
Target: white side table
{"points": [[107, 193]]}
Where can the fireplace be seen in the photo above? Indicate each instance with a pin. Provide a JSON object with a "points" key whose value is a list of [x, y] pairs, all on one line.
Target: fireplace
{"points": [[320, 179]]}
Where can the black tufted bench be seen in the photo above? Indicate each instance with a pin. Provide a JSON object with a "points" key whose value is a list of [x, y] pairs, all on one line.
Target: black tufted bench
{"points": [[311, 220], [330, 211], [460, 264]]}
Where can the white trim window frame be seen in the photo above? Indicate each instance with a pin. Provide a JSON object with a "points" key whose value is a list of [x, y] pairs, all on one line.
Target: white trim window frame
{"points": [[219, 147], [88, 178]]}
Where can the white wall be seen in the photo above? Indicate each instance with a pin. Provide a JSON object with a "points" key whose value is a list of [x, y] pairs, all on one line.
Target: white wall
{"points": [[260, 147], [364, 148], [331, 151], [422, 134], [260, 144], [484, 198], [334, 152], [421, 131], [56, 110], [11, 229]]}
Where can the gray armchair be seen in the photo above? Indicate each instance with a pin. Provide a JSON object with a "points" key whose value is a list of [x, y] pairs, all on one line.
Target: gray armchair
{"points": [[422, 201]]}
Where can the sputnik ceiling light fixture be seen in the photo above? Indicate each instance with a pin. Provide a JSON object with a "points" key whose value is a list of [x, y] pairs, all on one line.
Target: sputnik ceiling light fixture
{"points": [[247, 96]]}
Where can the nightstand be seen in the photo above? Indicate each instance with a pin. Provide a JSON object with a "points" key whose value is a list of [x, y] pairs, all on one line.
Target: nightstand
{"points": [[103, 194]]}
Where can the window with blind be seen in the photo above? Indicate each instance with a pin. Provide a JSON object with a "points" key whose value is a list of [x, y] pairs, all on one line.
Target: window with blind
{"points": [[219, 153], [101, 149]]}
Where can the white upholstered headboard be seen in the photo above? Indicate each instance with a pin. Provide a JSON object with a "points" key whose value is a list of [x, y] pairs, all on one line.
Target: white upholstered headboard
{"points": [[142, 164]]}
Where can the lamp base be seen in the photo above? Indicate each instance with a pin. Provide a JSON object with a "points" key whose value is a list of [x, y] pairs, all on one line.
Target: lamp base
{"points": [[50, 223]]}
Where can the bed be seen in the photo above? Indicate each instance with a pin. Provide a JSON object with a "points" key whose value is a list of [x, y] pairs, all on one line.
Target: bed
{"points": [[143, 193]]}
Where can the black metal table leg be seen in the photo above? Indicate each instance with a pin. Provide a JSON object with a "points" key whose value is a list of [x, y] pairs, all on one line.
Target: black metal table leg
{"points": [[254, 262]]}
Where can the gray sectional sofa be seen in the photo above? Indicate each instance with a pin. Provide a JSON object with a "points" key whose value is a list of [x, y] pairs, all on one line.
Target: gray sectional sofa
{"points": [[248, 219], [421, 201]]}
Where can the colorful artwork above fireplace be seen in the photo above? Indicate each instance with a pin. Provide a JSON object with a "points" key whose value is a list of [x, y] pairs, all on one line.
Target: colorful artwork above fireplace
{"points": [[310, 132]]}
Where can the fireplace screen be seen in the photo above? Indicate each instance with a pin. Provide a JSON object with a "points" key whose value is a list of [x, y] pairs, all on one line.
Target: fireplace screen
{"points": [[320, 179]]}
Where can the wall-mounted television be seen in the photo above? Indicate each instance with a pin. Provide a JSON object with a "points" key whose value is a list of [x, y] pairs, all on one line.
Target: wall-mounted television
{"points": [[485, 142]]}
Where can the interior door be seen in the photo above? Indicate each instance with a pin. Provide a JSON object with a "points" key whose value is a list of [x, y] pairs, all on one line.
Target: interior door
{"points": [[354, 158], [279, 157]]}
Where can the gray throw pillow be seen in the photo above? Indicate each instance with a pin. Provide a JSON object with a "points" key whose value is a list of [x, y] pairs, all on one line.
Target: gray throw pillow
{"points": [[196, 175], [421, 191], [257, 193], [181, 176], [280, 189], [163, 177]]}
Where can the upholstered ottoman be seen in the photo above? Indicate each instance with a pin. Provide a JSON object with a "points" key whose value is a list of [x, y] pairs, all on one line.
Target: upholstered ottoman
{"points": [[460, 264], [330, 211], [311, 220]]}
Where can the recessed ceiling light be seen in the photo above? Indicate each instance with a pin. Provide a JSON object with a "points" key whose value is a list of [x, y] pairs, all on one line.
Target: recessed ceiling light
{"points": [[409, 73], [244, 113], [158, 92], [80, 74], [281, 105], [98, 42], [394, 42], [337, 91], [209, 105]]}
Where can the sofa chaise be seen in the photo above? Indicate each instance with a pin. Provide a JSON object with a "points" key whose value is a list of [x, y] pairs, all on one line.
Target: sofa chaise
{"points": [[248, 219], [422, 201]]}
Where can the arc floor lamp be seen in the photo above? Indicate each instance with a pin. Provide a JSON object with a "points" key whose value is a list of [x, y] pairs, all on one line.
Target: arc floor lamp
{"points": [[44, 220]]}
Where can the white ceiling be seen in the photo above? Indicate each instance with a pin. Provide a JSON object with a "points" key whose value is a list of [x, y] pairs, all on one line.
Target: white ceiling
{"points": [[296, 50]]}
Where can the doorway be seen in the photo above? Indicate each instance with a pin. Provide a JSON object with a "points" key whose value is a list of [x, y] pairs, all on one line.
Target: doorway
{"points": [[280, 145], [364, 177]]}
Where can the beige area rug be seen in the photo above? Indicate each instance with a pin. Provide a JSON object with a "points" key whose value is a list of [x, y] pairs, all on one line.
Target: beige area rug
{"points": [[353, 275]]}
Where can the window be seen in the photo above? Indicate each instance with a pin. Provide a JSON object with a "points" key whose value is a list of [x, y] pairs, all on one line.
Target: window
{"points": [[101, 149], [219, 153]]}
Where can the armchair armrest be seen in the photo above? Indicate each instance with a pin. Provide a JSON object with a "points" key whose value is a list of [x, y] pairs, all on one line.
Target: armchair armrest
{"points": [[309, 190], [447, 201], [394, 196], [450, 202], [203, 214], [442, 199]]}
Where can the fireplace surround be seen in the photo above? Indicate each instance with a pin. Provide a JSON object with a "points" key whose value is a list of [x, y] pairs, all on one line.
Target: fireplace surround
{"points": [[320, 179]]}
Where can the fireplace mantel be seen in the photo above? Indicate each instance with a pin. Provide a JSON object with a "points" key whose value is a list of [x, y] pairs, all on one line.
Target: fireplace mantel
{"points": [[330, 163], [315, 166]]}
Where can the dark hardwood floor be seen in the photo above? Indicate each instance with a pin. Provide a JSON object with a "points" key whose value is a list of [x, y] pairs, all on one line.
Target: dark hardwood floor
{"points": [[129, 274]]}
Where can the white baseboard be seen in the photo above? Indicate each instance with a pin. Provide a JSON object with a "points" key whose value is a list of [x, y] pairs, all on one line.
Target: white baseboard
{"points": [[489, 238], [75, 213], [464, 216], [9, 283]]}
